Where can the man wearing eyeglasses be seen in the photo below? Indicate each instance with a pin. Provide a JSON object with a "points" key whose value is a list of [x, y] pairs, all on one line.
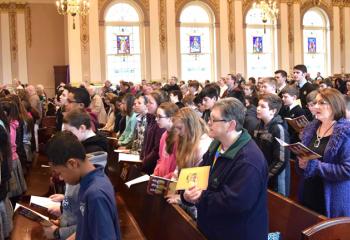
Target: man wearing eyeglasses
{"points": [[236, 197], [79, 98]]}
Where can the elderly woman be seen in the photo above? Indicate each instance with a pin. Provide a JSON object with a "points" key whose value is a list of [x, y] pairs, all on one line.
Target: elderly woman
{"points": [[325, 187]]}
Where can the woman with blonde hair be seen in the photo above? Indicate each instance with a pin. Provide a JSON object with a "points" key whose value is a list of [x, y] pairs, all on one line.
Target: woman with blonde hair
{"points": [[192, 143], [193, 140]]}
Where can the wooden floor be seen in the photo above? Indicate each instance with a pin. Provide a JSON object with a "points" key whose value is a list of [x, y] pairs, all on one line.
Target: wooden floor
{"points": [[38, 184]]}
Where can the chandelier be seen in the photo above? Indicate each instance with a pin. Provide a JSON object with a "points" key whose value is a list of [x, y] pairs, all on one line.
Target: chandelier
{"points": [[73, 8], [269, 10]]}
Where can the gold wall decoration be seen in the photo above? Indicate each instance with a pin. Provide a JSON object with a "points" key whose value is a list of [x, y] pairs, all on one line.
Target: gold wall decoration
{"points": [[290, 26], [142, 5], [231, 24], [12, 9], [213, 4], [13, 31], [84, 33], [341, 3], [162, 24]]}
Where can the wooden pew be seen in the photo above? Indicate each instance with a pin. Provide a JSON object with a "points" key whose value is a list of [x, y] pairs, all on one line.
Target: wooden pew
{"points": [[156, 218], [332, 229], [288, 217]]}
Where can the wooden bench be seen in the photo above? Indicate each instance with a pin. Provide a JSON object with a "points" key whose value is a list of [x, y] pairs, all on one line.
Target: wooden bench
{"points": [[156, 218], [288, 217], [153, 213], [331, 229]]}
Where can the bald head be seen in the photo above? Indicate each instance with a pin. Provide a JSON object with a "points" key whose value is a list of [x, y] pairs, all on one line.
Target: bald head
{"points": [[31, 90]]}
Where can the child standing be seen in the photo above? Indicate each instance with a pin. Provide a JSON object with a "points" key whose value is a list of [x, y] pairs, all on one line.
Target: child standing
{"points": [[272, 126], [98, 217]]}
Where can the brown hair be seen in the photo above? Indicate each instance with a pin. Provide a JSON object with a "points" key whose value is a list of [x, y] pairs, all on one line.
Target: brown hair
{"points": [[169, 109], [195, 127], [336, 102], [290, 90], [273, 101]]}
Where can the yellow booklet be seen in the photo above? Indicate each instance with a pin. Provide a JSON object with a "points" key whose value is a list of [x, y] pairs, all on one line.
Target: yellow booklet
{"points": [[197, 176]]}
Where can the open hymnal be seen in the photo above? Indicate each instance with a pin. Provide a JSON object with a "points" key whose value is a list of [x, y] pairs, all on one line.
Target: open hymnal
{"points": [[33, 215], [143, 178], [298, 123], [160, 185], [43, 202], [196, 176], [122, 151], [300, 150], [125, 157]]}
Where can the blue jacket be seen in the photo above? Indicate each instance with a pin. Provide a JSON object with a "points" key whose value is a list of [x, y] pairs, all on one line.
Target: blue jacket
{"points": [[235, 204], [335, 168], [98, 216]]}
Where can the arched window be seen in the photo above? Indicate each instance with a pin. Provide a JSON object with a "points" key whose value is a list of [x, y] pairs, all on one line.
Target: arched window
{"points": [[261, 45], [197, 43], [123, 43], [316, 42]]}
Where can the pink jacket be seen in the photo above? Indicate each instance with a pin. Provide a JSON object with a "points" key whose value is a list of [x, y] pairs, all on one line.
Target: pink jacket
{"points": [[166, 163], [13, 127]]}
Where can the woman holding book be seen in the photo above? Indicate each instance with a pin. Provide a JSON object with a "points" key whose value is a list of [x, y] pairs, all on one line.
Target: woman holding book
{"points": [[325, 187], [167, 148]]}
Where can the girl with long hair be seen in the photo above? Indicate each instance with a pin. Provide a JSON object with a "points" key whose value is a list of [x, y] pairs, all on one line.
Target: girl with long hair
{"points": [[6, 211], [167, 148], [17, 182]]}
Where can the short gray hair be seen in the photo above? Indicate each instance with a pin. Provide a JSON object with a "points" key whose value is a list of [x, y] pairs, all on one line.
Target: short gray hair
{"points": [[232, 109]]}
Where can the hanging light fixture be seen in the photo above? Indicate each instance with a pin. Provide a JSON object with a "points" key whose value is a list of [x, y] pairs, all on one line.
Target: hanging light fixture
{"points": [[73, 8], [269, 10]]}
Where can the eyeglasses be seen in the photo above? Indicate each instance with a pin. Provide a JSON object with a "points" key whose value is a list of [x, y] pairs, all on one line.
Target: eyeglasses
{"points": [[321, 103], [71, 101], [216, 120], [159, 117]]}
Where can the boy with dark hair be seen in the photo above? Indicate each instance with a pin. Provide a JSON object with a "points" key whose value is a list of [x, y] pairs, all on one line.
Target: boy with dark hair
{"points": [[292, 110], [209, 97], [97, 218], [299, 75], [78, 122], [281, 79], [79, 98], [176, 98], [272, 126]]}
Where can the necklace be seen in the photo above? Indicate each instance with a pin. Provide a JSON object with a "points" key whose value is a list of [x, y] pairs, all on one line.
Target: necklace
{"points": [[318, 138]]}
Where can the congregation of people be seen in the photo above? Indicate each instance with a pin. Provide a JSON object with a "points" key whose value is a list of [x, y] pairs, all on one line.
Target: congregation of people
{"points": [[231, 125]]}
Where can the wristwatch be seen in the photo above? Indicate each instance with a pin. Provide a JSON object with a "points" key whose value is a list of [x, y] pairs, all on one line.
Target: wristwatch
{"points": [[56, 234]]}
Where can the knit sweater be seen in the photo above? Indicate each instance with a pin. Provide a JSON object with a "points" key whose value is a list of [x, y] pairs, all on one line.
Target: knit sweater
{"points": [[334, 169]]}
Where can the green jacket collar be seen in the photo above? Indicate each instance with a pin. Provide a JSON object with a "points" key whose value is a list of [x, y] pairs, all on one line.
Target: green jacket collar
{"points": [[234, 148]]}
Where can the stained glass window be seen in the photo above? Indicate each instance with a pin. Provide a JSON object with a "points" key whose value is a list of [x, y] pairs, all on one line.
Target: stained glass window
{"points": [[315, 42], [123, 51], [261, 45], [196, 43]]}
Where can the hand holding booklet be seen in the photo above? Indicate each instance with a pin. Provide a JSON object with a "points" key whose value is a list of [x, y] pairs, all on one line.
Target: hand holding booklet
{"points": [[298, 123], [300, 150], [159, 185], [196, 176], [33, 215]]}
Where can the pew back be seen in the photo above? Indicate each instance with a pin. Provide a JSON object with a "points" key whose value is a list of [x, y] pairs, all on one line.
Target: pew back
{"points": [[288, 217], [332, 229], [156, 218]]}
